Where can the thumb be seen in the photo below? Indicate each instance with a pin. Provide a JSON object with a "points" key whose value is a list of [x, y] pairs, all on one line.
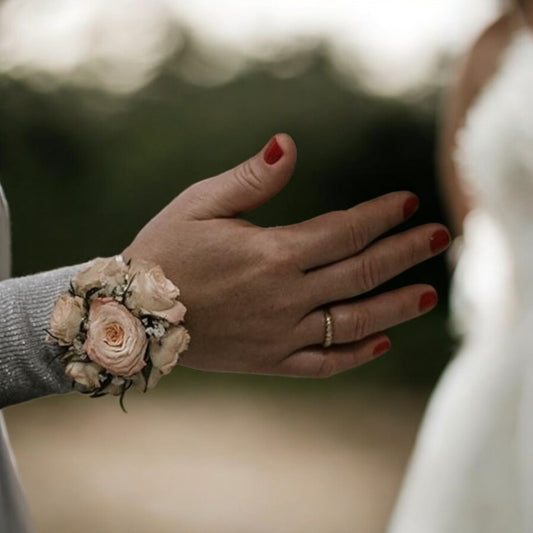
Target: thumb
{"points": [[244, 187]]}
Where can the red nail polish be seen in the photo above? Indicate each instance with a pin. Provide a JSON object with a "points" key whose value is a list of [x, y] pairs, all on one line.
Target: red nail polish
{"points": [[439, 241], [410, 207], [428, 301], [273, 152], [382, 348]]}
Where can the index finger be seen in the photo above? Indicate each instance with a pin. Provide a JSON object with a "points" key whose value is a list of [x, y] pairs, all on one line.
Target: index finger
{"points": [[341, 234]]}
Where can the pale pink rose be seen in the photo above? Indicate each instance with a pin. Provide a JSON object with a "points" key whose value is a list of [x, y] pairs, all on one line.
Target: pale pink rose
{"points": [[86, 374], [165, 352], [174, 315], [116, 339], [66, 319], [152, 293], [103, 272]]}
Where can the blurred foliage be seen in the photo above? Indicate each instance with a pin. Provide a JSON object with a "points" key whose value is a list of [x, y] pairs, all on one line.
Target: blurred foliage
{"points": [[84, 170]]}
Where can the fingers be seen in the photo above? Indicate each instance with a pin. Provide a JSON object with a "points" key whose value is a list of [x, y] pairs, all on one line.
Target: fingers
{"points": [[354, 321], [377, 264], [244, 187], [326, 362], [341, 234]]}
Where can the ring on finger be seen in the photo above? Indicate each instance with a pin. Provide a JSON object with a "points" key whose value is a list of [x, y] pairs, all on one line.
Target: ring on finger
{"points": [[328, 328]]}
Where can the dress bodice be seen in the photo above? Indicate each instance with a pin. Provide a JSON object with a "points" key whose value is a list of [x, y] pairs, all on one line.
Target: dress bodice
{"points": [[495, 156]]}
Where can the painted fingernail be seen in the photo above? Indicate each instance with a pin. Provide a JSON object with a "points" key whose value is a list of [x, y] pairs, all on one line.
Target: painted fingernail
{"points": [[273, 152], [382, 347], [410, 207], [439, 241], [428, 301]]}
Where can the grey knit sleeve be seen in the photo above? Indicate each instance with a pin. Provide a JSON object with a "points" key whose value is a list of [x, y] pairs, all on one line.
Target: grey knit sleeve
{"points": [[29, 367]]}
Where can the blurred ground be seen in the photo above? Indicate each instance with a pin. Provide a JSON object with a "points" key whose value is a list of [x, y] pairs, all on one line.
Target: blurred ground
{"points": [[217, 460]]}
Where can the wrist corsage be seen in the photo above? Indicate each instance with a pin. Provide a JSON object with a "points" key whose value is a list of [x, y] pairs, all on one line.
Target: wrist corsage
{"points": [[120, 324]]}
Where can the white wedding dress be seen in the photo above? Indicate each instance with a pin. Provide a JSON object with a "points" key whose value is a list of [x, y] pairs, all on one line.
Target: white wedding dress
{"points": [[472, 470]]}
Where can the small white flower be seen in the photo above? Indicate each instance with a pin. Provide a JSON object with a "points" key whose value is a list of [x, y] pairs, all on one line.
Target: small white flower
{"points": [[157, 330], [77, 346]]}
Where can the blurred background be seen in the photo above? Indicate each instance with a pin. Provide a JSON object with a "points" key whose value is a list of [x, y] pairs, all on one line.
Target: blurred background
{"points": [[110, 109]]}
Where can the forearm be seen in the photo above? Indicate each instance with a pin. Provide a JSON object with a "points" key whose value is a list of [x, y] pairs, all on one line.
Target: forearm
{"points": [[29, 367]]}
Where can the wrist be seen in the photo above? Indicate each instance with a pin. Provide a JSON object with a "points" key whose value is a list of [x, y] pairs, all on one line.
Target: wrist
{"points": [[120, 324]]}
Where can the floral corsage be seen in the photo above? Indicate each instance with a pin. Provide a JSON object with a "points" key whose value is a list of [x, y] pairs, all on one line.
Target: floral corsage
{"points": [[119, 325]]}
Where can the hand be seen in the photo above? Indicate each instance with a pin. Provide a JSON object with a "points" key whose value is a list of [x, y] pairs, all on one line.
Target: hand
{"points": [[255, 296]]}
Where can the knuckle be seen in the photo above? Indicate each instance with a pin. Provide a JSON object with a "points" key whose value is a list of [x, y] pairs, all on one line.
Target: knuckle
{"points": [[368, 274], [248, 176], [412, 253], [357, 233], [362, 323], [278, 253]]}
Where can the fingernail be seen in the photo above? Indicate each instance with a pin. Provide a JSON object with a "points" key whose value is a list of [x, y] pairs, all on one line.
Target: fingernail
{"points": [[273, 152], [428, 301], [382, 347], [439, 241], [410, 207]]}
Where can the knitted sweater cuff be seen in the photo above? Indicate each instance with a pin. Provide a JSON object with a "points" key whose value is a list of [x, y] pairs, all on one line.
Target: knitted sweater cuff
{"points": [[29, 367]]}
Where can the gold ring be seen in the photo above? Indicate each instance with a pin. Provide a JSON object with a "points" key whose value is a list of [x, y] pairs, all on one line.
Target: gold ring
{"points": [[328, 329]]}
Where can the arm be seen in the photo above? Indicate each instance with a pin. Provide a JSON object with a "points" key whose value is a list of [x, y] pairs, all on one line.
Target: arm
{"points": [[480, 65], [28, 366], [255, 296]]}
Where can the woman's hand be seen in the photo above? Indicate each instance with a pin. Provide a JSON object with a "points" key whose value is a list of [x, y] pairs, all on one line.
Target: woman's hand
{"points": [[255, 296]]}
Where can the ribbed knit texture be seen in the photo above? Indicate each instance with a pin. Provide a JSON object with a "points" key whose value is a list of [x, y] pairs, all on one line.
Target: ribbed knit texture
{"points": [[29, 367]]}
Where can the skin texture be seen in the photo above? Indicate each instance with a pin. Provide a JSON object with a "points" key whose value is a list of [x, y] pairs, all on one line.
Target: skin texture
{"points": [[255, 295]]}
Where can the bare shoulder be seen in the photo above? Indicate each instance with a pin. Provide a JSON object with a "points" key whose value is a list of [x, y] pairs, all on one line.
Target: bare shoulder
{"points": [[479, 66], [484, 58]]}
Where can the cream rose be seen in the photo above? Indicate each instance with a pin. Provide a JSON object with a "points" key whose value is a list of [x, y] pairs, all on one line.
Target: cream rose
{"points": [[165, 352], [152, 293], [103, 272], [66, 319], [86, 374], [116, 339]]}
